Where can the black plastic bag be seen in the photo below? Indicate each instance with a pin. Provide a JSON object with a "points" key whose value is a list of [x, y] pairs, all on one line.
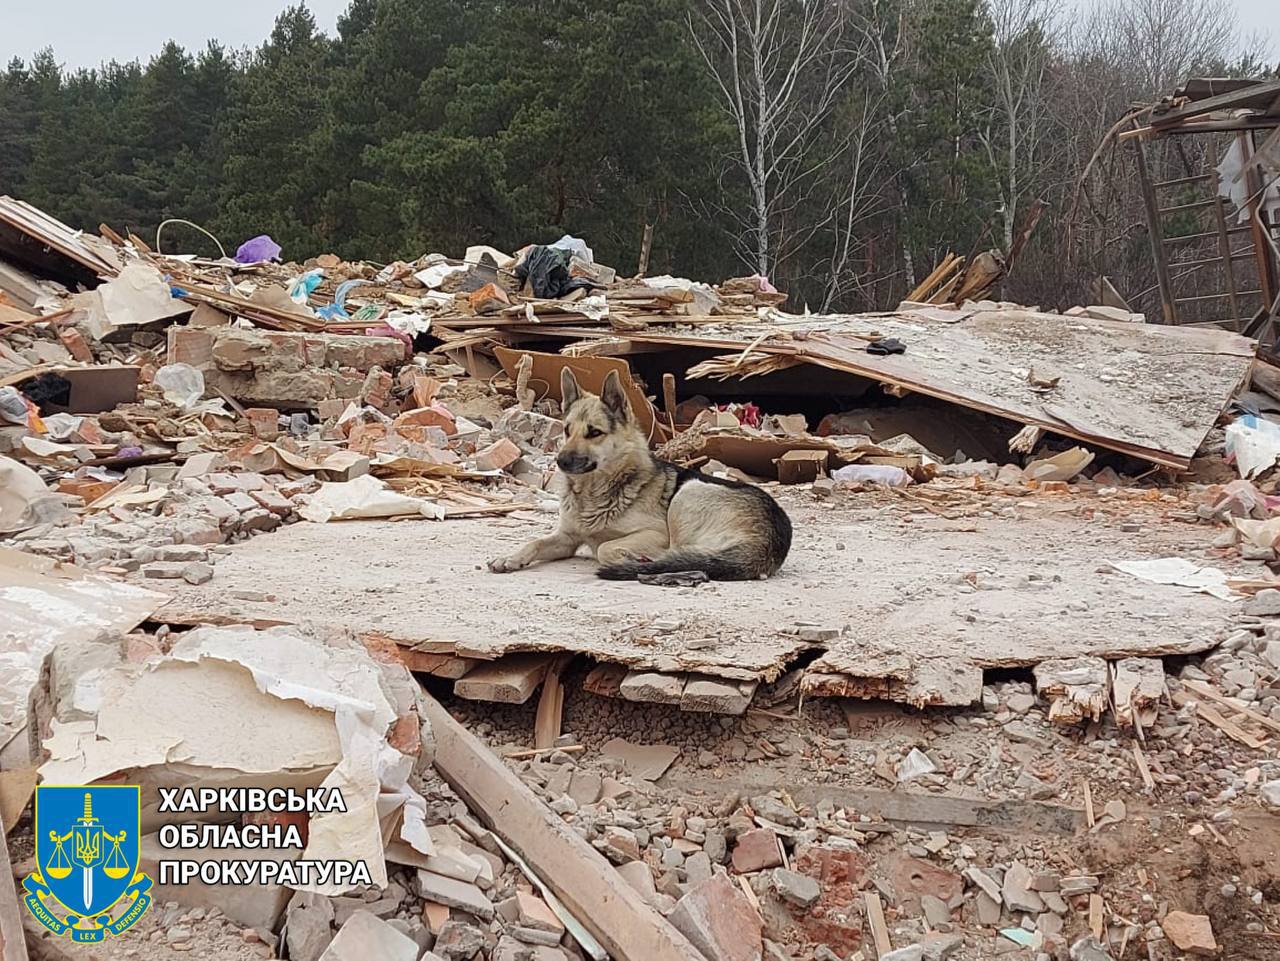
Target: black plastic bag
{"points": [[547, 270]]}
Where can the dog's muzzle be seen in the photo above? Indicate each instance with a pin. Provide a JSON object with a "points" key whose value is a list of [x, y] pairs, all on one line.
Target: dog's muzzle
{"points": [[575, 463]]}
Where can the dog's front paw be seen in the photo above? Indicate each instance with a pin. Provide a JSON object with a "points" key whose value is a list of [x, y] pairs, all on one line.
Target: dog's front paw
{"points": [[507, 565]]}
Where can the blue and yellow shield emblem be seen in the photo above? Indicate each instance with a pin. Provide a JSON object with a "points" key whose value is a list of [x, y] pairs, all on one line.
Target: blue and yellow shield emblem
{"points": [[87, 880]]}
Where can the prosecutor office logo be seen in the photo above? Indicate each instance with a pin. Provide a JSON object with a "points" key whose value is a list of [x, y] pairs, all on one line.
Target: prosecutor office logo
{"points": [[87, 881]]}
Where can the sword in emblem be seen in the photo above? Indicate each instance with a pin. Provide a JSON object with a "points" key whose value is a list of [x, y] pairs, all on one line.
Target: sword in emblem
{"points": [[88, 848]]}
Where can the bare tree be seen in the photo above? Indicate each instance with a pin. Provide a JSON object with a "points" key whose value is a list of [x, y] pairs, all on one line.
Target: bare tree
{"points": [[781, 67], [1019, 116], [1162, 41]]}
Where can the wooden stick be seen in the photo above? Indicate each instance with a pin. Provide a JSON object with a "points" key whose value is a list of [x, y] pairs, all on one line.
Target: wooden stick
{"points": [[550, 706], [613, 911], [875, 918], [47, 318], [1088, 805], [1230, 728], [538, 752], [13, 944], [1141, 760], [669, 399], [646, 246], [1199, 687], [1095, 915]]}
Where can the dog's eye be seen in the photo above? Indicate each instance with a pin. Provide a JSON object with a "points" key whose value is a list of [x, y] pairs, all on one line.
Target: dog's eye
{"points": [[593, 433]]}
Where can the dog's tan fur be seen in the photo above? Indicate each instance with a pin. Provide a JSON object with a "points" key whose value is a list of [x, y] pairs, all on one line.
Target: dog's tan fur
{"points": [[640, 515]]}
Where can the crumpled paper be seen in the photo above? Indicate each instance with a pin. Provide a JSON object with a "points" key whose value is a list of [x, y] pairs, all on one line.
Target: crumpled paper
{"points": [[362, 498]]}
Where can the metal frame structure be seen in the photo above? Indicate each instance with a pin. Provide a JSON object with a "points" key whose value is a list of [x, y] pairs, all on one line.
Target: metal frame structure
{"points": [[1248, 112]]}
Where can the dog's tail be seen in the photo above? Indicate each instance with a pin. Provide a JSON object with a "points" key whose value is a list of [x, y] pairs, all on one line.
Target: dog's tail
{"points": [[734, 564]]}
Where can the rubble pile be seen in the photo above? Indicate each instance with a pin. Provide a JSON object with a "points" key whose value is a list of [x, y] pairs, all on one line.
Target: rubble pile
{"points": [[1092, 802]]}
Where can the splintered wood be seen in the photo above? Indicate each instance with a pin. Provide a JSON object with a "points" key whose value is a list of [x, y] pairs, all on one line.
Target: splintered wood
{"points": [[1137, 685], [1076, 688]]}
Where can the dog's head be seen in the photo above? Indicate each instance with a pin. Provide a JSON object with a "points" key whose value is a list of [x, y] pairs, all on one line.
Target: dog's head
{"points": [[599, 430]]}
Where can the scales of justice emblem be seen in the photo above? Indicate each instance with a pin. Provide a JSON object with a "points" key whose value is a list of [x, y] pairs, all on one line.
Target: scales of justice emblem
{"points": [[87, 881]]}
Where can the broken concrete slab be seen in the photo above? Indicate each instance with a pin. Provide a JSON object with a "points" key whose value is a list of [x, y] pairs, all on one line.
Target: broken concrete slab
{"points": [[365, 936], [1055, 594], [455, 894]]}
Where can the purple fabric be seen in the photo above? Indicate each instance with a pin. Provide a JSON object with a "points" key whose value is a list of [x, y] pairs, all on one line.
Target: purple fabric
{"points": [[257, 250]]}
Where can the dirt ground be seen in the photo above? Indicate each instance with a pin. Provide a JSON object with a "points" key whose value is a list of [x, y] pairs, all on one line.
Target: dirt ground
{"points": [[980, 576]]}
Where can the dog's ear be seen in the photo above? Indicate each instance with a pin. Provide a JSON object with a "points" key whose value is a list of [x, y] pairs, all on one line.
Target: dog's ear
{"points": [[615, 398], [570, 392]]}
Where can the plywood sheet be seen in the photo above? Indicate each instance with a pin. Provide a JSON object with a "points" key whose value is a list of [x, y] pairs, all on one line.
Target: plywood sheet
{"points": [[1147, 390]]}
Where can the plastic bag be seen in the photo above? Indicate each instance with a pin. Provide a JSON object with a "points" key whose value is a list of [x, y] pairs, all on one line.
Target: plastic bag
{"points": [[1254, 442], [872, 474], [575, 245], [547, 270], [302, 287], [182, 384], [259, 249], [13, 407]]}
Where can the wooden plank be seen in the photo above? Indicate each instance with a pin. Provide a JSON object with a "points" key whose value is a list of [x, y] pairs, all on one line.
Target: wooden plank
{"points": [[1155, 229], [439, 665], [1230, 728], [1255, 94], [606, 680], [1095, 915], [1148, 782], [919, 810], [875, 918], [1203, 689], [13, 943], [615, 913], [550, 706], [511, 680], [1089, 817], [1224, 251]]}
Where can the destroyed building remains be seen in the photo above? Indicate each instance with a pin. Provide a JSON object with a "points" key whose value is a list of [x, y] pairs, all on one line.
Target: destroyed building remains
{"points": [[1015, 691]]}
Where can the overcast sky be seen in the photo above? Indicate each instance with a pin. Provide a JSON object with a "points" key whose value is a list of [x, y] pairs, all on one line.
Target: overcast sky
{"points": [[84, 33]]}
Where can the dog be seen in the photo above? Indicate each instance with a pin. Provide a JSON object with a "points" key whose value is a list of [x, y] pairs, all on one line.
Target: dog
{"points": [[642, 516]]}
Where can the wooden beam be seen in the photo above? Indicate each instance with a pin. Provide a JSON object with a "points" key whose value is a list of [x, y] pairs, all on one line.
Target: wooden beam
{"points": [[1223, 101], [875, 918], [1156, 233], [13, 943], [511, 680], [1204, 690], [613, 911], [550, 706]]}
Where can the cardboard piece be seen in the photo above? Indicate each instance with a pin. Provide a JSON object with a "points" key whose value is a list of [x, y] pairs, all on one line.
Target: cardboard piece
{"points": [[591, 372]]}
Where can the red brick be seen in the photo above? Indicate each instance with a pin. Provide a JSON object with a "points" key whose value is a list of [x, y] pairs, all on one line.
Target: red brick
{"points": [[264, 421], [424, 391], [300, 819], [498, 455], [427, 417], [273, 502], [756, 850], [489, 299], [85, 488], [191, 345], [74, 342]]}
